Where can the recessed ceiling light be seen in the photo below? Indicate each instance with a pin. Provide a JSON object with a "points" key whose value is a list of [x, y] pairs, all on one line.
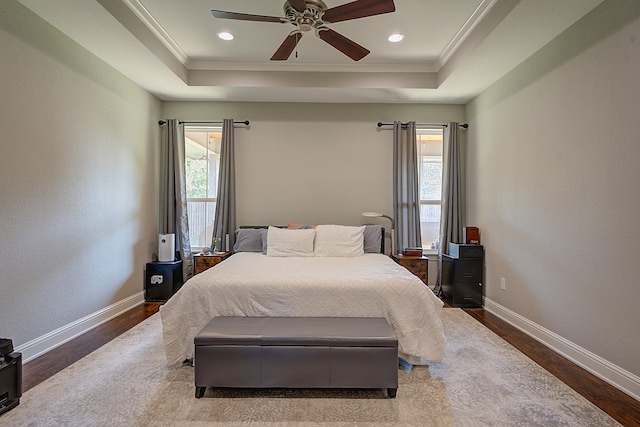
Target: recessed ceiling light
{"points": [[225, 35], [395, 38]]}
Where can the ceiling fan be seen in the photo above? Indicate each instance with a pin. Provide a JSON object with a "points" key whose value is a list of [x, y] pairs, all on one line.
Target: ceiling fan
{"points": [[307, 15]]}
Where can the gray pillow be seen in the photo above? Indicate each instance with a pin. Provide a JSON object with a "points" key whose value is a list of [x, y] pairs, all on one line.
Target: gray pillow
{"points": [[249, 240], [372, 238], [263, 235]]}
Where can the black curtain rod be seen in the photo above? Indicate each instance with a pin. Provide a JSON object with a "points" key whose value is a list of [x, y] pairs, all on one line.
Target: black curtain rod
{"points": [[246, 123], [464, 125]]}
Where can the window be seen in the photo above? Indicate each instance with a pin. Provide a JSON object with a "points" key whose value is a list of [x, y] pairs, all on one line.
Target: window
{"points": [[202, 159], [430, 168]]}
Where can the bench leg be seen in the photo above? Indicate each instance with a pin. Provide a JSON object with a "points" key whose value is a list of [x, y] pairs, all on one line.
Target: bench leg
{"points": [[200, 392], [392, 392]]}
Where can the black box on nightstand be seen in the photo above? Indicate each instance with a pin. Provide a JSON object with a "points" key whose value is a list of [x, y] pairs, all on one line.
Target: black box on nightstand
{"points": [[162, 280]]}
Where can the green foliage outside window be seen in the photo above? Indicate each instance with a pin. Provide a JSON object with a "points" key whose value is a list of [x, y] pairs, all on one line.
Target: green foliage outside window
{"points": [[196, 177]]}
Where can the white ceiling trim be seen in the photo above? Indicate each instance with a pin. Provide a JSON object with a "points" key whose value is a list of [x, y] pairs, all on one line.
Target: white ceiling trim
{"points": [[429, 66], [292, 66], [154, 26], [466, 30], [311, 79]]}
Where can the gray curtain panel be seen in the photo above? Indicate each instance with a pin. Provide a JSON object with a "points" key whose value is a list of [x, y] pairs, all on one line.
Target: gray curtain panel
{"points": [[225, 218], [173, 193], [406, 198], [453, 199]]}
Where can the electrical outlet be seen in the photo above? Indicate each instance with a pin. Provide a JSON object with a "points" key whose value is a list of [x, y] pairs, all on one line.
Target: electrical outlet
{"points": [[503, 284]]}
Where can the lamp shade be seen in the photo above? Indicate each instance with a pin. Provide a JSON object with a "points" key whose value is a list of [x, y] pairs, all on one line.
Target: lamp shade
{"points": [[379, 215], [371, 214]]}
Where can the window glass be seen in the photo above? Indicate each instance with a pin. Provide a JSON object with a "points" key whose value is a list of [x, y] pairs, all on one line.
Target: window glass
{"points": [[430, 187], [202, 160]]}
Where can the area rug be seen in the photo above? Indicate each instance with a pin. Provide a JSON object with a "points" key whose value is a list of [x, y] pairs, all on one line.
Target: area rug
{"points": [[482, 381]]}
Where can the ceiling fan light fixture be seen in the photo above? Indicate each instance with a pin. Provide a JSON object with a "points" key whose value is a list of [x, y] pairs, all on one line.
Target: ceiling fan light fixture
{"points": [[395, 38], [224, 35], [307, 15]]}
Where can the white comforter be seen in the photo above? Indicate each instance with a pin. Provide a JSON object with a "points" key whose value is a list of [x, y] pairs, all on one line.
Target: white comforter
{"points": [[253, 284]]}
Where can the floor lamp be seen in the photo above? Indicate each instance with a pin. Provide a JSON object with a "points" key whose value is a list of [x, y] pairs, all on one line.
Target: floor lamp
{"points": [[393, 226]]}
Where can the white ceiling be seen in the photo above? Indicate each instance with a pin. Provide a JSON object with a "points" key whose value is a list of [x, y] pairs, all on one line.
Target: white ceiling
{"points": [[453, 49]]}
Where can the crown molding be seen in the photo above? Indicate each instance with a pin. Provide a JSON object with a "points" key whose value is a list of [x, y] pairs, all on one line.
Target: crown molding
{"points": [[467, 29], [154, 26]]}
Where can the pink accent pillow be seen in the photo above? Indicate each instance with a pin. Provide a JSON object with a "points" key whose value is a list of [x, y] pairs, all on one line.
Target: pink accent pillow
{"points": [[296, 225]]}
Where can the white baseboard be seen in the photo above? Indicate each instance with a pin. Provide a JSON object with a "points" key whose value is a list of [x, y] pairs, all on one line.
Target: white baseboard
{"points": [[603, 369], [39, 346]]}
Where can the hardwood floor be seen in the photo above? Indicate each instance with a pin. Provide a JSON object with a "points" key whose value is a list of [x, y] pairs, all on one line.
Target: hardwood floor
{"points": [[45, 366], [617, 404]]}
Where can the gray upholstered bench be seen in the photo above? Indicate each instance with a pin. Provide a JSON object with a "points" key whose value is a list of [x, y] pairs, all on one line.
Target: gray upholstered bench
{"points": [[296, 352]]}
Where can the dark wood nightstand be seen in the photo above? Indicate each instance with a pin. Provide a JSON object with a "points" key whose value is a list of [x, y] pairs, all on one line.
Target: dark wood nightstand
{"points": [[418, 265], [204, 262]]}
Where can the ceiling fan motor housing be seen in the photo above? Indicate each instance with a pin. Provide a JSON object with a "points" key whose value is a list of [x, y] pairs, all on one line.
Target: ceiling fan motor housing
{"points": [[310, 18]]}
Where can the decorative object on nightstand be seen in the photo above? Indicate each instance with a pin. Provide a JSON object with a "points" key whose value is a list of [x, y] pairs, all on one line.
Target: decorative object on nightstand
{"points": [[462, 274], [215, 244], [412, 252], [204, 262], [418, 265], [393, 226], [472, 235]]}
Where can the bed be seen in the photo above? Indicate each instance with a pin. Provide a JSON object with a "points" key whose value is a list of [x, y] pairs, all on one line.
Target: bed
{"points": [[315, 275]]}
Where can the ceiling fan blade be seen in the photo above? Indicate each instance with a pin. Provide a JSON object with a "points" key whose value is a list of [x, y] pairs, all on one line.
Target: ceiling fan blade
{"points": [[358, 9], [247, 17], [299, 5], [287, 46], [347, 46]]}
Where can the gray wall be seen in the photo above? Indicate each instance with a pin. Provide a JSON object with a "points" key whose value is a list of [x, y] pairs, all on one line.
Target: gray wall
{"points": [[553, 156], [554, 176], [313, 163], [78, 215]]}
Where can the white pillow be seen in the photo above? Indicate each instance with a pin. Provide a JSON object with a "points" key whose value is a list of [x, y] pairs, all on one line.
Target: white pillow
{"points": [[339, 241], [285, 242]]}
